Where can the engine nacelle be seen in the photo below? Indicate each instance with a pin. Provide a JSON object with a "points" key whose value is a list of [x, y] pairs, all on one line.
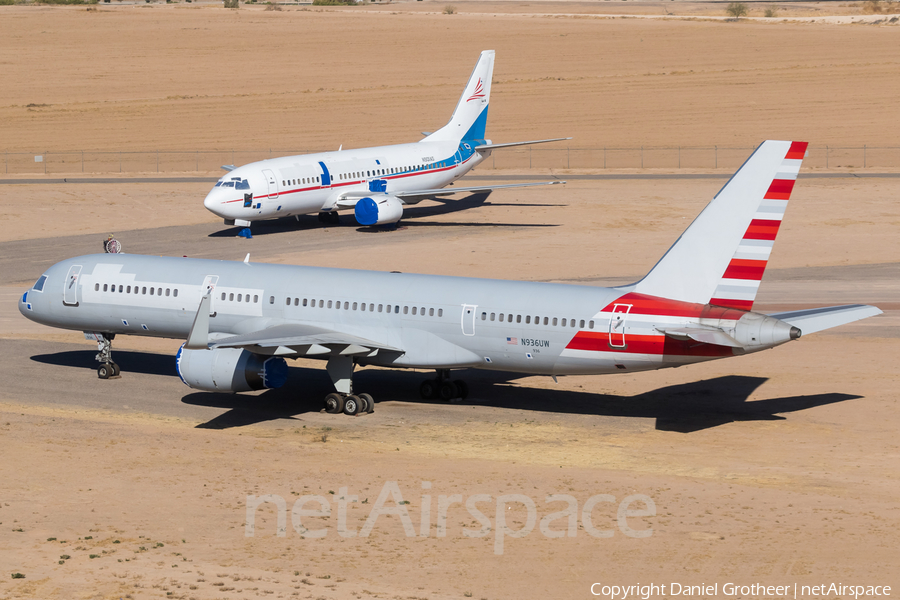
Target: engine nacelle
{"points": [[755, 331], [379, 210], [229, 370]]}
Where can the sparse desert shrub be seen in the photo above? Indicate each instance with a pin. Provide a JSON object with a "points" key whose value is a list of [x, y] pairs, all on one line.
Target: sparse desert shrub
{"points": [[449, 9], [232, 4], [872, 7], [736, 10], [771, 11], [18, 576], [335, 2], [272, 6]]}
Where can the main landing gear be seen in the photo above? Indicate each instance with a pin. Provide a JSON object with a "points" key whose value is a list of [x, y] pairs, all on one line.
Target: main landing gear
{"points": [[340, 369], [107, 369], [330, 218], [442, 388]]}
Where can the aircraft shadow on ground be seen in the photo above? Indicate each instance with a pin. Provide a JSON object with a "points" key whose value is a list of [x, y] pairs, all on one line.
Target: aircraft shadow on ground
{"points": [[682, 408], [147, 363], [410, 214]]}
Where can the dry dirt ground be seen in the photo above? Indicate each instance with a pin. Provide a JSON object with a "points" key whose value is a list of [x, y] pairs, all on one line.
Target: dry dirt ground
{"points": [[776, 468]]}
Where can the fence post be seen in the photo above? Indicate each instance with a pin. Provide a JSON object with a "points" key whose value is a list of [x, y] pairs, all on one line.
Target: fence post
{"points": [[717, 156], [567, 157], [120, 161], [529, 157], [198, 161]]}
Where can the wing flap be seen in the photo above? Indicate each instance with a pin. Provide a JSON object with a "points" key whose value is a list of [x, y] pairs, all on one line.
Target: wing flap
{"points": [[303, 340]]}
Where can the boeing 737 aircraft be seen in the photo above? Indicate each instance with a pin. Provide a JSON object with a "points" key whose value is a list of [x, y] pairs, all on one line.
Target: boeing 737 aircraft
{"points": [[241, 320], [375, 182]]}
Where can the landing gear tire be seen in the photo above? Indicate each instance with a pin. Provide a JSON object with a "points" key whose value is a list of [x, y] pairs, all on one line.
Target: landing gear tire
{"points": [[116, 370], [104, 371], [463, 388], [334, 403], [369, 407], [428, 389], [448, 391], [352, 405]]}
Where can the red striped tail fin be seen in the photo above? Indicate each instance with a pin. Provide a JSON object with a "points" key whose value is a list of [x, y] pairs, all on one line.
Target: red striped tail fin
{"points": [[720, 259], [739, 284]]}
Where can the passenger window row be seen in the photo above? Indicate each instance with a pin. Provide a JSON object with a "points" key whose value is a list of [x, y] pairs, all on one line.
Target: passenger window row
{"points": [[127, 289], [554, 321], [301, 181], [360, 306], [246, 297]]}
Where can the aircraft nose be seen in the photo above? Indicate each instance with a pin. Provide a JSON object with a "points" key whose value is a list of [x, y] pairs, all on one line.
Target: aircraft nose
{"points": [[215, 202]]}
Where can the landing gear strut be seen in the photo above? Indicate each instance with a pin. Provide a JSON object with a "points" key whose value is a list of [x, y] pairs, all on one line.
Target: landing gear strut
{"points": [[441, 387], [107, 367], [340, 368], [330, 218]]}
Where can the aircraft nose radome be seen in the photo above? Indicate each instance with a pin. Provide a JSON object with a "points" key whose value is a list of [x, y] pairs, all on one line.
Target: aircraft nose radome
{"points": [[213, 202]]}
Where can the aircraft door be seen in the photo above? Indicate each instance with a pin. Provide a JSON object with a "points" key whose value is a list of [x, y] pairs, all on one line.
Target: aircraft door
{"points": [[209, 285], [272, 184], [70, 296], [468, 319], [617, 325]]}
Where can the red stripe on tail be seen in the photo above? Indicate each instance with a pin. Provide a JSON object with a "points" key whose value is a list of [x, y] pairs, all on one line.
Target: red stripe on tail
{"points": [[797, 151], [761, 229], [745, 269], [780, 189]]}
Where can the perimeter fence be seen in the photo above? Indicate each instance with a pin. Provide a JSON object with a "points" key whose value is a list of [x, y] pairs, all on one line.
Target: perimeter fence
{"points": [[528, 157]]}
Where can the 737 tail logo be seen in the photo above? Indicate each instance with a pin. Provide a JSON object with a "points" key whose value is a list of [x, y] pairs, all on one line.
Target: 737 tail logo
{"points": [[479, 91]]}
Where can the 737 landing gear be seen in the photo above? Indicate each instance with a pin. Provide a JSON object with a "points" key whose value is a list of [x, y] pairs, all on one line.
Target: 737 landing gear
{"points": [[441, 387], [340, 368], [107, 369], [330, 218]]}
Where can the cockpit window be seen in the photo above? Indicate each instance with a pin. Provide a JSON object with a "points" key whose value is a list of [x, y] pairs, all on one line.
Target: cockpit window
{"points": [[218, 183], [242, 185], [39, 284], [228, 184]]}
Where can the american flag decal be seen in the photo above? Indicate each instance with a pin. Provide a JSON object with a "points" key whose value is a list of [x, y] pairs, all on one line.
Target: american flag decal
{"points": [[479, 91], [512, 341]]}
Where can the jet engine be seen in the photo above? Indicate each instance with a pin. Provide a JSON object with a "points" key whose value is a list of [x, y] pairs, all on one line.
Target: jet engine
{"points": [[379, 210], [229, 370]]}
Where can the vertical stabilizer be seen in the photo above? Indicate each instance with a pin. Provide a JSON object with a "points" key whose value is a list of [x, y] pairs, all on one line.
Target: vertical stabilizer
{"points": [[470, 117], [721, 257]]}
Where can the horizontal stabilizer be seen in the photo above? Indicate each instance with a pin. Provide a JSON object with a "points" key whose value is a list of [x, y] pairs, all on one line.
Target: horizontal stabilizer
{"points": [[817, 319], [485, 147], [229, 167], [705, 335]]}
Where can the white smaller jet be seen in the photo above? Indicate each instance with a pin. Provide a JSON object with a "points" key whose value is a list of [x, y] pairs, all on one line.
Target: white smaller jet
{"points": [[375, 182]]}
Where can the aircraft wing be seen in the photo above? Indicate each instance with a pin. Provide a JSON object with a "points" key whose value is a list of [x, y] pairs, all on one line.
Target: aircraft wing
{"points": [[296, 339], [349, 199], [486, 147], [817, 319]]}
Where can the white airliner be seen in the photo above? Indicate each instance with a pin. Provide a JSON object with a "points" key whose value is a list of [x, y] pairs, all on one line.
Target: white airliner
{"points": [[241, 319], [375, 182]]}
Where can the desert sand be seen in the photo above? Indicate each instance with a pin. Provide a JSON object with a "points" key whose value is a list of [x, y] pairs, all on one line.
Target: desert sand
{"points": [[776, 468]]}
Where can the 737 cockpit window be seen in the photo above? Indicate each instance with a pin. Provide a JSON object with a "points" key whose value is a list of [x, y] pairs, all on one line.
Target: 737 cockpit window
{"points": [[243, 184], [227, 184], [39, 284]]}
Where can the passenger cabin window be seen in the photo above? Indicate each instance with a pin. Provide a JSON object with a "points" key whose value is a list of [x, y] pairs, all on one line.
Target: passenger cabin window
{"points": [[96, 287], [591, 325], [271, 299]]}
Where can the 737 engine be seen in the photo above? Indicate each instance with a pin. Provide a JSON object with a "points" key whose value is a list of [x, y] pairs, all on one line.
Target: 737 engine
{"points": [[379, 210], [229, 370]]}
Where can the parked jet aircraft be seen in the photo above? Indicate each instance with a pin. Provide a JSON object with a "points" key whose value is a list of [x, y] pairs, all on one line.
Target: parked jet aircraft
{"points": [[241, 320], [375, 182]]}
